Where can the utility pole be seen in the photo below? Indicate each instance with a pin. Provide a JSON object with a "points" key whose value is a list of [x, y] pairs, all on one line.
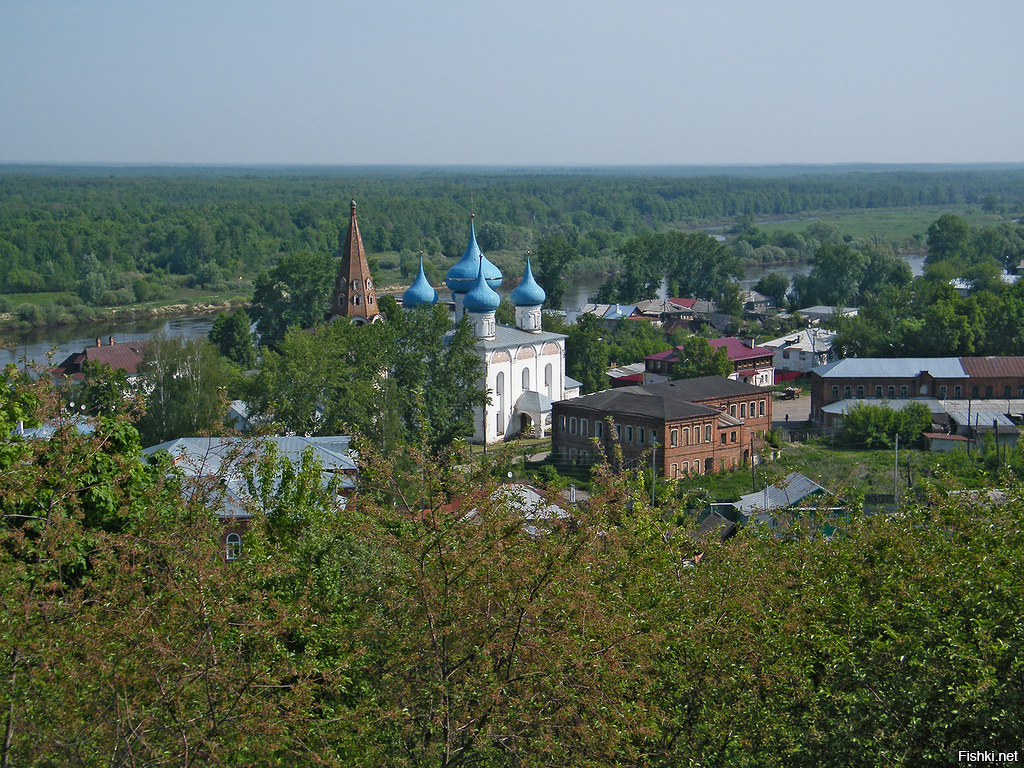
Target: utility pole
{"points": [[896, 473]]}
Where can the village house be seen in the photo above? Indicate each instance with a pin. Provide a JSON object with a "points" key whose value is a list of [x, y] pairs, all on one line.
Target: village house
{"points": [[751, 364], [803, 350], [126, 356], [215, 466], [698, 426]]}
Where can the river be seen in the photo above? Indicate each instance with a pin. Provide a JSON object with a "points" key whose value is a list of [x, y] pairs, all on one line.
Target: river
{"points": [[34, 345]]}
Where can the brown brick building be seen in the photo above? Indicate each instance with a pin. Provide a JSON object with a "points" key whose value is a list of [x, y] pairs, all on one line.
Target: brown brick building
{"points": [[942, 378], [697, 425]]}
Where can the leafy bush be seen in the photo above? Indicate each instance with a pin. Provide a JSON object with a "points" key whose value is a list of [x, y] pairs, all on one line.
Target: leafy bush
{"points": [[876, 426]]}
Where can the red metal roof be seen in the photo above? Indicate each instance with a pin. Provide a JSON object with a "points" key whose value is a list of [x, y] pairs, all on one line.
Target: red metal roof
{"points": [[125, 356]]}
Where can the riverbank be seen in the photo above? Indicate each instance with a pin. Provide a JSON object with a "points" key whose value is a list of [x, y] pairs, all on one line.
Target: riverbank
{"points": [[12, 322]]}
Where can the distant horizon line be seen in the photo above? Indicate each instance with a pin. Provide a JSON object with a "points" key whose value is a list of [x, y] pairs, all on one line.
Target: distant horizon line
{"points": [[44, 168]]}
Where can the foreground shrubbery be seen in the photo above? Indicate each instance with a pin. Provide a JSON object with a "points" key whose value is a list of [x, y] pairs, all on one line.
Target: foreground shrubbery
{"points": [[420, 625]]}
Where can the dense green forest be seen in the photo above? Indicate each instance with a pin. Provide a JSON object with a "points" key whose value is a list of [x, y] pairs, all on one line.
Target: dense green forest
{"points": [[114, 236]]}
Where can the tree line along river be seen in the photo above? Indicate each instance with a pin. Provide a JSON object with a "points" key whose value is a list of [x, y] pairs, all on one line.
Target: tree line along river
{"points": [[35, 345]]}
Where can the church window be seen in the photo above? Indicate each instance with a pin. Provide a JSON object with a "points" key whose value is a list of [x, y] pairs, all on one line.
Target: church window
{"points": [[500, 386], [526, 379], [232, 546]]}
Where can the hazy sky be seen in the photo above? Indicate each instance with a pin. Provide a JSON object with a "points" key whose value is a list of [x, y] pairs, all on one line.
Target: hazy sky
{"points": [[511, 83]]}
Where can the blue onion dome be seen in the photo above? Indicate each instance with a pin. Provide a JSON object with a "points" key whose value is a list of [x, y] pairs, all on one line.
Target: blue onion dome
{"points": [[481, 297], [528, 293], [461, 277], [420, 293]]}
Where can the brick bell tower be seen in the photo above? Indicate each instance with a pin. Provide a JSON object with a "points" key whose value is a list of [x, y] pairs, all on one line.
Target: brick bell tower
{"points": [[354, 294]]}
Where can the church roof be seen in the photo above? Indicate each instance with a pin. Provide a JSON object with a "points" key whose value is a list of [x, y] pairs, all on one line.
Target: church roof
{"points": [[481, 298], [506, 336], [528, 293], [354, 294], [461, 277], [420, 292]]}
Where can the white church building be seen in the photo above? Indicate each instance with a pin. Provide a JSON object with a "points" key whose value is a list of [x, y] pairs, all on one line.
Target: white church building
{"points": [[524, 366]]}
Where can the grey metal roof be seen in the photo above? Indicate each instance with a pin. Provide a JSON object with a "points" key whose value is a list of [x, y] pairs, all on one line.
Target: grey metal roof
{"points": [[533, 402], [641, 401], [895, 367], [790, 491], [841, 407], [207, 457], [667, 399], [507, 336]]}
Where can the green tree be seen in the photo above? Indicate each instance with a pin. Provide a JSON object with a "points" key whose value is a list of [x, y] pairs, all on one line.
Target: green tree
{"points": [[948, 238], [186, 384], [554, 254], [774, 285], [232, 335], [297, 291], [439, 372], [698, 358], [586, 354]]}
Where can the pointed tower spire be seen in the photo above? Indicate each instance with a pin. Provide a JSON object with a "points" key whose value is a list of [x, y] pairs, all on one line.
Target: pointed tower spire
{"points": [[354, 294]]}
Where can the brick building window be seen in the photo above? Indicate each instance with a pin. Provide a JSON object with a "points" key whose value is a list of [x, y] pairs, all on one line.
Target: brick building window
{"points": [[878, 390], [673, 438], [957, 392], [835, 391], [707, 433], [891, 392], [760, 408]]}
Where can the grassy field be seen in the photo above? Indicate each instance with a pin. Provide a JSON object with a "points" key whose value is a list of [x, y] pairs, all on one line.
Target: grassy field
{"points": [[897, 224]]}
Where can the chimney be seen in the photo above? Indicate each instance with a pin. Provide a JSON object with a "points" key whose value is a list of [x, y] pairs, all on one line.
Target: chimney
{"points": [[748, 343], [111, 341], [99, 342]]}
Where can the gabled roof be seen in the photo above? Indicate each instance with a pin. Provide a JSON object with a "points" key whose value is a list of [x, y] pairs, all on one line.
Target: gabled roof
{"points": [[738, 351], [125, 356], [993, 367], [790, 491], [667, 400], [205, 458], [895, 367]]}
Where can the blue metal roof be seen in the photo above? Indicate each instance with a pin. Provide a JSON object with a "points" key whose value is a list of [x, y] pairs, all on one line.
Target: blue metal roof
{"points": [[528, 293], [420, 292], [482, 298], [461, 277]]}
